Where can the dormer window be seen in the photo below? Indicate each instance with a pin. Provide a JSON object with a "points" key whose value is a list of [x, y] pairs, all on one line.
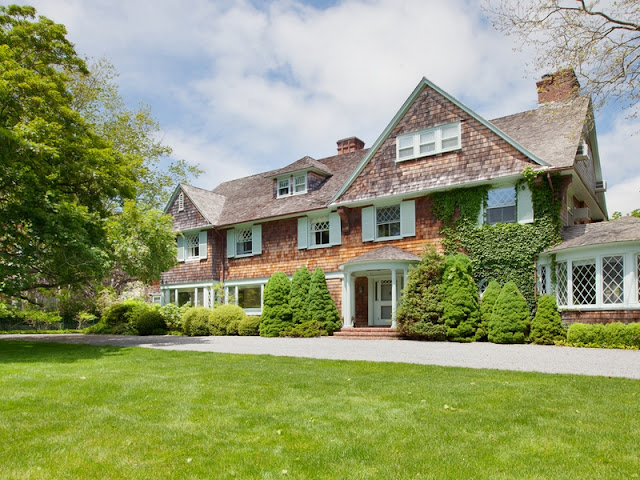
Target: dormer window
{"points": [[292, 185], [444, 138]]}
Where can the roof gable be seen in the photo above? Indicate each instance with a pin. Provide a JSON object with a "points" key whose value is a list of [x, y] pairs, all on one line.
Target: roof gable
{"points": [[429, 106], [208, 203], [304, 164]]}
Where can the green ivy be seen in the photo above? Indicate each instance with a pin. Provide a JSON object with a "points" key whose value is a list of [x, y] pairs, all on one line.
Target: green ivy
{"points": [[505, 251]]}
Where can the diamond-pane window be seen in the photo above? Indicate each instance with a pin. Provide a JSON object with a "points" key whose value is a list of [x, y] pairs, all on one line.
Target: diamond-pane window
{"points": [[193, 245], [613, 279], [501, 205], [320, 231], [638, 274], [543, 280], [584, 282], [244, 241], [561, 283], [388, 221]]}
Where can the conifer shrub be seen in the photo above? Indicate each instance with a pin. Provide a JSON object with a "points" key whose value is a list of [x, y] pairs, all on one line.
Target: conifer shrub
{"points": [[307, 329], [299, 301], [322, 309], [151, 322], [276, 311], [250, 326], [460, 308], [197, 321], [225, 319], [510, 318], [487, 302], [546, 326], [419, 314]]}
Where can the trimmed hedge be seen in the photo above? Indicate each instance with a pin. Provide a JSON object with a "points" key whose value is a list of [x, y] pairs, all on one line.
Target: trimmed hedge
{"points": [[609, 335], [307, 329], [197, 321], [250, 326], [225, 319], [151, 322]]}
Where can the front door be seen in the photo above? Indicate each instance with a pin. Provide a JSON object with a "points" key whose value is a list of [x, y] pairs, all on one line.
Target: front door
{"points": [[382, 306]]}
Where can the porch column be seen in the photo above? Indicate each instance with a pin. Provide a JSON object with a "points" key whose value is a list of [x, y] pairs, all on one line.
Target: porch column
{"points": [[205, 296], [195, 297], [236, 294], [226, 295], [394, 297], [347, 292], [176, 297]]}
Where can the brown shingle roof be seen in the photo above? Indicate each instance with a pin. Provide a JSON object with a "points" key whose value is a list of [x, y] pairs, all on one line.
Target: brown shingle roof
{"points": [[552, 131], [208, 203], [625, 229], [251, 198], [385, 253], [305, 163]]}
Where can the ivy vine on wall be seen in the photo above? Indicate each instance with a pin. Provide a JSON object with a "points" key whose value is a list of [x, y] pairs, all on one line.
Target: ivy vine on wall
{"points": [[505, 251]]}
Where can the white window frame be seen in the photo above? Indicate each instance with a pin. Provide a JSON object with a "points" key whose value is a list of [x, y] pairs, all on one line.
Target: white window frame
{"points": [[312, 233], [192, 246], [413, 140], [240, 232], [378, 223], [233, 236], [297, 184], [181, 202], [281, 186], [514, 205]]}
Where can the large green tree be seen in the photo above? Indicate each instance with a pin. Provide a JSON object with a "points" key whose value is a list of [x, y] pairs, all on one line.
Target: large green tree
{"points": [[62, 179]]}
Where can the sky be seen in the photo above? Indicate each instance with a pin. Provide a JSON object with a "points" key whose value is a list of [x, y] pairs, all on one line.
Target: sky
{"points": [[241, 87]]}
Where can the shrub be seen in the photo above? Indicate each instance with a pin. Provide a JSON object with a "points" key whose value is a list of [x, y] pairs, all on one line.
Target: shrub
{"points": [[124, 313], [226, 318], [299, 300], [610, 335], [546, 327], [510, 318], [321, 306], [150, 322], [419, 314], [487, 302], [173, 315], [249, 326], [460, 309], [197, 321], [307, 329], [276, 313]]}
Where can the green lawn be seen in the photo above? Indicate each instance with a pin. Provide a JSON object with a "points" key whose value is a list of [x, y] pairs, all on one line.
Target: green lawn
{"points": [[74, 411]]}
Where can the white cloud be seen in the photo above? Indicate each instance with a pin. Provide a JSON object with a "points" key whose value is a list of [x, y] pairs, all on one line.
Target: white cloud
{"points": [[624, 196]]}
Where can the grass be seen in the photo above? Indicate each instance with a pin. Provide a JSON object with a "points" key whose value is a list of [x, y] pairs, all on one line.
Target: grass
{"points": [[84, 412]]}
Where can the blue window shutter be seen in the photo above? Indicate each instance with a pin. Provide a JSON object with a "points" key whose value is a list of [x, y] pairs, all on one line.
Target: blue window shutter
{"points": [[525, 205], [203, 244], [256, 239], [368, 224], [408, 218], [335, 237], [231, 243], [303, 233], [180, 248]]}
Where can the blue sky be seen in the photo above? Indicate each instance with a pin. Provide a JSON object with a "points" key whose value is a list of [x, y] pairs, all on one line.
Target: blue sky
{"points": [[242, 86]]}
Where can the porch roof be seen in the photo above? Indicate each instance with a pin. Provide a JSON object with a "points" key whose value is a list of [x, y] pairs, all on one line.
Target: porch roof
{"points": [[625, 229], [383, 254]]}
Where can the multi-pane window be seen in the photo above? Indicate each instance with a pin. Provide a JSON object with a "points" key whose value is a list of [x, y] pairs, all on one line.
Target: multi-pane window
{"points": [[613, 279], [300, 183], [249, 296], [501, 205], [283, 187], [543, 280], [192, 243], [244, 242], [440, 139], [388, 221], [561, 283], [320, 231], [584, 282], [638, 275]]}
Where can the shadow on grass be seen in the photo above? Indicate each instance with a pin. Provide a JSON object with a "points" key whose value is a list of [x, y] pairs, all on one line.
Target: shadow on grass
{"points": [[19, 351]]}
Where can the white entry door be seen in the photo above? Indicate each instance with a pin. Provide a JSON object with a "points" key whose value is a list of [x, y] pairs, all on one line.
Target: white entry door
{"points": [[382, 306]]}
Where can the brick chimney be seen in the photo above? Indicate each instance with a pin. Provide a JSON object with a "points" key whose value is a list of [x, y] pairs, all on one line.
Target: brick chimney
{"points": [[560, 86], [350, 144]]}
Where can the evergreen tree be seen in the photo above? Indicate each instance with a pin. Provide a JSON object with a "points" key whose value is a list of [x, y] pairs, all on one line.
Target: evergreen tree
{"points": [[487, 302], [419, 314], [322, 309], [510, 318], [300, 296], [460, 308], [276, 314], [546, 327]]}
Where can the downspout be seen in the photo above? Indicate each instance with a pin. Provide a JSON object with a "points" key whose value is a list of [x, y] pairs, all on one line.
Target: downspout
{"points": [[550, 183]]}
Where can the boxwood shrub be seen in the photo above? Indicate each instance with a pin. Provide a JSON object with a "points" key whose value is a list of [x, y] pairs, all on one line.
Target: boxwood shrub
{"points": [[610, 335], [249, 326], [151, 322], [226, 318], [197, 321]]}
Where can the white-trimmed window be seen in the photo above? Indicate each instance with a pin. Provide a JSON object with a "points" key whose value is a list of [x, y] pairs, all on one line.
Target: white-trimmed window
{"points": [[562, 286], [583, 273], [543, 277], [444, 138], [319, 229], [300, 183], [613, 279], [244, 241], [192, 246], [284, 187], [318, 232], [388, 221], [250, 297], [501, 205]]}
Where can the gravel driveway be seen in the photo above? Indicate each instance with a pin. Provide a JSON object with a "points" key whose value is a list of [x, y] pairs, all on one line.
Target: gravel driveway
{"points": [[529, 358]]}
